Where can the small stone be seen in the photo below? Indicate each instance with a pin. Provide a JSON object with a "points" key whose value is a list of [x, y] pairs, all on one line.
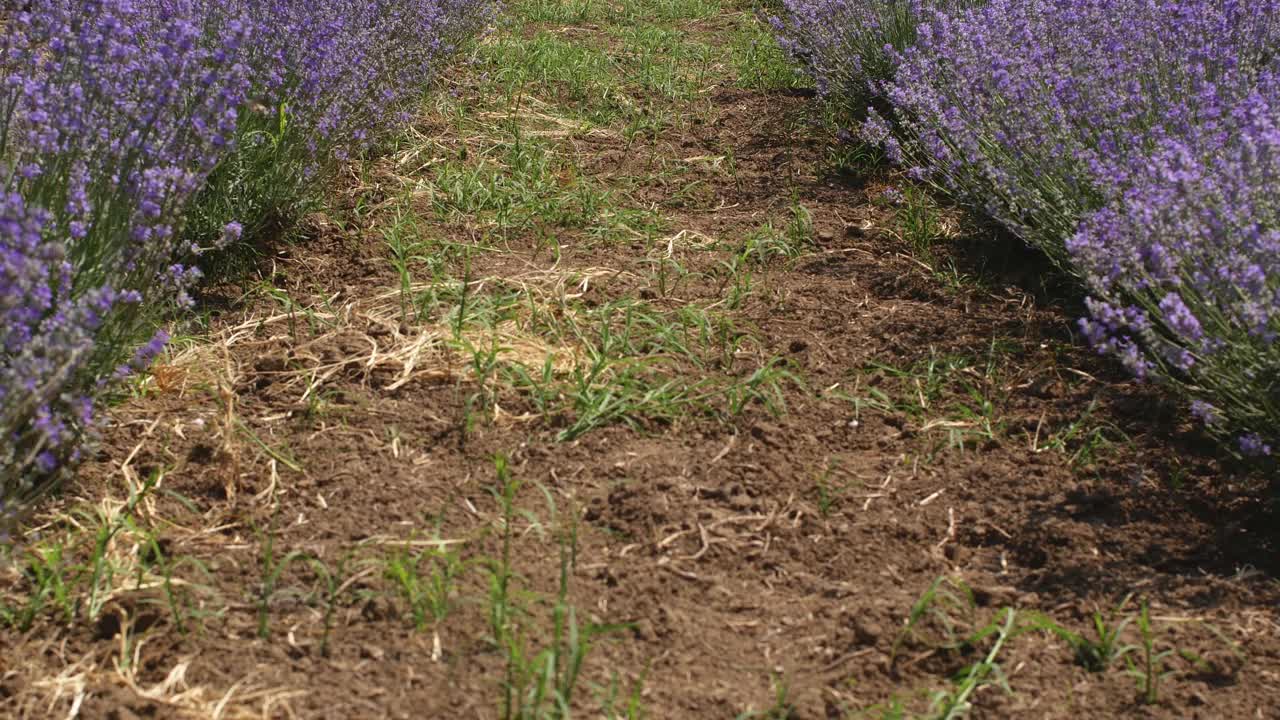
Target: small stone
{"points": [[994, 595], [765, 431], [644, 630], [866, 632], [372, 652], [955, 553]]}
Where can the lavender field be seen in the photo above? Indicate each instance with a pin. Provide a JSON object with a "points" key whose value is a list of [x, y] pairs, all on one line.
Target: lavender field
{"points": [[639, 358]]}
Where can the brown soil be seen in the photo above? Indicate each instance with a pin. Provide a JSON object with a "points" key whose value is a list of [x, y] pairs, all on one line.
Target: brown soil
{"points": [[736, 554]]}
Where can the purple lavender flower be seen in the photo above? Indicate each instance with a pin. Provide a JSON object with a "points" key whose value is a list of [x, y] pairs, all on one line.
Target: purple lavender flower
{"points": [[231, 233], [1180, 320], [893, 196], [1205, 413], [1252, 445]]}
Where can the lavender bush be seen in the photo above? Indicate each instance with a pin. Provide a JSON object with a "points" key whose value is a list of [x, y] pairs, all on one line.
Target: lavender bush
{"points": [[111, 115], [849, 47], [1134, 142], [115, 117], [1036, 111], [1185, 270], [331, 78]]}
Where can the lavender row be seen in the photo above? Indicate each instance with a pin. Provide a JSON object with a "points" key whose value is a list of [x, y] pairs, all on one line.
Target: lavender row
{"points": [[1133, 141], [124, 131]]}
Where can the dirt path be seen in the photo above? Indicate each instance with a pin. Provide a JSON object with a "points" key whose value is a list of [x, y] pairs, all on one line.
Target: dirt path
{"points": [[604, 390]]}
